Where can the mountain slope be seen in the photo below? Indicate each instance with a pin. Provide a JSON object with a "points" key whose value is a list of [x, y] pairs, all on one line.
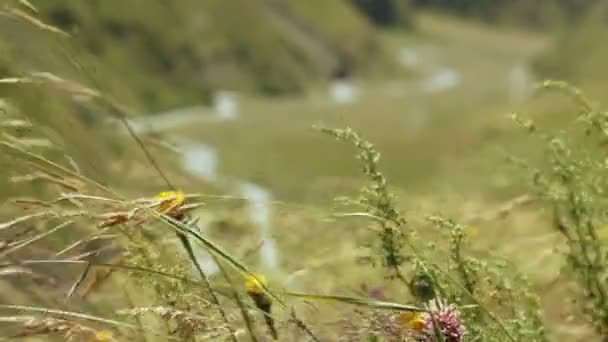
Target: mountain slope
{"points": [[175, 53]]}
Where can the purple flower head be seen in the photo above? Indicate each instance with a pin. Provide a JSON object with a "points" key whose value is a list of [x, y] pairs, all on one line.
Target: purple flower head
{"points": [[447, 319]]}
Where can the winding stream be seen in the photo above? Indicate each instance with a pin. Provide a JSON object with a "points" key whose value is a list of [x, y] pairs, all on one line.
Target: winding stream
{"points": [[202, 160]]}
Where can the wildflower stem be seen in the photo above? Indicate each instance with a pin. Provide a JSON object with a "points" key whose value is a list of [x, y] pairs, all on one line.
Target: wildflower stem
{"points": [[300, 324], [181, 236], [214, 299], [181, 227], [238, 300], [478, 303]]}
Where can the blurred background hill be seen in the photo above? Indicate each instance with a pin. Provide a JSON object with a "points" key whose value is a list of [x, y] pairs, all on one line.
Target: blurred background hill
{"points": [[178, 53]]}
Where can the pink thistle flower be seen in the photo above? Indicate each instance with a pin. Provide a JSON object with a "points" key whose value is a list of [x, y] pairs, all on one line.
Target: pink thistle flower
{"points": [[447, 317]]}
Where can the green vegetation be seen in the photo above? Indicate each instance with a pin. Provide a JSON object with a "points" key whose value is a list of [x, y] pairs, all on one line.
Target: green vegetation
{"points": [[387, 13], [565, 59], [464, 225], [536, 14], [175, 54], [286, 155]]}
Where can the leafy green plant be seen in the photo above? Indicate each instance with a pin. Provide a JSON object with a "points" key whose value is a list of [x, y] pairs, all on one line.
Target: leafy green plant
{"points": [[500, 304], [572, 183]]}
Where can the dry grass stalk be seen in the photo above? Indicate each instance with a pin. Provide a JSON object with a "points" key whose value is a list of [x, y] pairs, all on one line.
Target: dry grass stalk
{"points": [[68, 184], [19, 14], [188, 324], [19, 271], [20, 219], [29, 241], [35, 326], [28, 5]]}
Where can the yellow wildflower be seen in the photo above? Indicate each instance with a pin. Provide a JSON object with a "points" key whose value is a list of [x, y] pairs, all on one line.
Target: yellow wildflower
{"points": [[255, 283], [171, 202], [412, 320], [103, 336]]}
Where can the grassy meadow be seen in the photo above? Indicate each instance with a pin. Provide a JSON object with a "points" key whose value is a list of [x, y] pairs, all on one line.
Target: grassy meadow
{"points": [[499, 215]]}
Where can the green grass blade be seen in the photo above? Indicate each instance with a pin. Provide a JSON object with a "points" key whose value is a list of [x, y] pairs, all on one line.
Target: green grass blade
{"points": [[214, 248], [376, 304]]}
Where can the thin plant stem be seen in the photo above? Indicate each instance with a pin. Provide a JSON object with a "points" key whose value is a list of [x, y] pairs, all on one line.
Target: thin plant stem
{"points": [[238, 300], [207, 284]]}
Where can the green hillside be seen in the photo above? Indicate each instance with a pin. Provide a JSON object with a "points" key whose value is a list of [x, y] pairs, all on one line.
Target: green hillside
{"points": [[176, 53], [532, 14], [576, 54]]}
